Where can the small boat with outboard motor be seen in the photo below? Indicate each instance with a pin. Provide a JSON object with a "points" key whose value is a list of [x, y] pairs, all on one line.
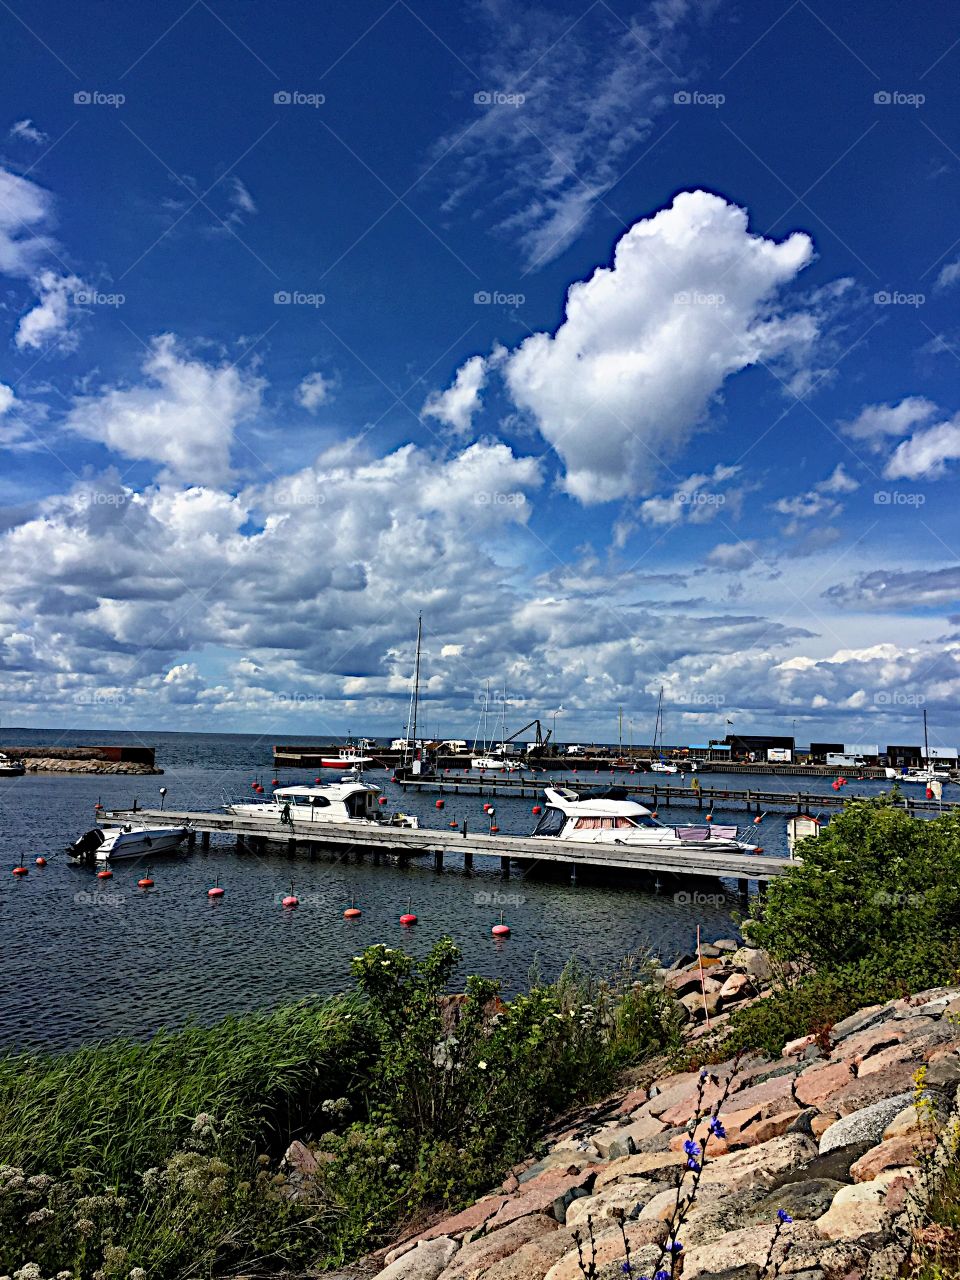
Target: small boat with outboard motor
{"points": [[131, 840]]}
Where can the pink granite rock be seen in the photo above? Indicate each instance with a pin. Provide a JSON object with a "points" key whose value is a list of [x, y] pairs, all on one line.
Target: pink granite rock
{"points": [[474, 1258], [887, 1058], [794, 1048], [865, 1043], [760, 1166], [893, 1153], [817, 1083], [531, 1261], [538, 1198], [657, 1165], [771, 1096]]}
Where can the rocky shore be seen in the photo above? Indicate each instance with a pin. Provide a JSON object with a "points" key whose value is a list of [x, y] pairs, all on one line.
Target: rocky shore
{"points": [[50, 764], [96, 760], [818, 1161]]}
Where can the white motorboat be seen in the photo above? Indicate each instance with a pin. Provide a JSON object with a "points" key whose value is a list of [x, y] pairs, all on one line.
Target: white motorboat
{"points": [[663, 766], [922, 777], [107, 844], [346, 758], [348, 801], [496, 762], [11, 768], [611, 818]]}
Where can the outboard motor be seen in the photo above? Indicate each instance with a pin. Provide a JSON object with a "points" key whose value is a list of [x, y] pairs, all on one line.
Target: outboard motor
{"points": [[85, 849]]}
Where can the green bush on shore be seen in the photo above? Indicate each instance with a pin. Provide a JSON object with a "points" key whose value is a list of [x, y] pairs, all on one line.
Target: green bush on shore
{"points": [[165, 1156]]}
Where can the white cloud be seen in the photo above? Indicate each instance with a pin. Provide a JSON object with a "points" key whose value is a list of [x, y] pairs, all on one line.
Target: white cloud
{"points": [[6, 398], [27, 131], [49, 322], [949, 275], [900, 589], [26, 212], [838, 482], [926, 454], [314, 391], [456, 406], [241, 198], [699, 498], [647, 344], [876, 422], [184, 416], [734, 555]]}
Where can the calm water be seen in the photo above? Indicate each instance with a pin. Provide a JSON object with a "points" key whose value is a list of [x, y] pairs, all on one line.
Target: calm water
{"points": [[85, 959]]}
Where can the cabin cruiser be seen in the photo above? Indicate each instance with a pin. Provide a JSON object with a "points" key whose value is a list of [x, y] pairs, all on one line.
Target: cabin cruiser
{"points": [[496, 762], [348, 801], [107, 844], [11, 768], [346, 758], [663, 766], [923, 777], [610, 818]]}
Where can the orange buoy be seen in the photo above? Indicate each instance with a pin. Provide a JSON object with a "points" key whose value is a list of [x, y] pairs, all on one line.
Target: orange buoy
{"points": [[655, 814], [145, 883], [41, 862], [708, 817], [439, 804], [453, 823], [105, 874], [352, 913], [20, 871], [757, 820]]}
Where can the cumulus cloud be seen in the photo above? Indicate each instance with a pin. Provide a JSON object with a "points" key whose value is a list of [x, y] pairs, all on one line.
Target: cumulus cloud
{"points": [[26, 213], [899, 590], [948, 275], [876, 423], [314, 391], [456, 406], [184, 416], [27, 131], [699, 498], [7, 398], [647, 344], [734, 555], [50, 321], [820, 501], [924, 456]]}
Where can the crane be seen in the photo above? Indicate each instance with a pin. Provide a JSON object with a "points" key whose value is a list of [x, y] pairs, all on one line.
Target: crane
{"points": [[539, 742]]}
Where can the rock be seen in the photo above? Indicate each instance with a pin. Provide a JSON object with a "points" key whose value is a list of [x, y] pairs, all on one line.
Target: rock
{"points": [[804, 1123], [755, 962], [737, 987], [856, 1210], [300, 1159], [701, 1004], [656, 1165], [858, 1021], [817, 1083], [887, 1058], [944, 1072], [632, 1101], [510, 1184], [727, 944], [859, 1094], [467, 1219], [773, 1095], [425, 1262], [866, 1124], [864, 1043], [475, 1257], [532, 1261], [910, 1122], [646, 1126], [808, 1199], [630, 1196], [550, 1195], [760, 1166], [747, 1247], [564, 1159], [683, 982], [774, 1126], [680, 1099], [794, 1048], [893, 1153], [607, 1252], [662, 1205], [835, 1165]]}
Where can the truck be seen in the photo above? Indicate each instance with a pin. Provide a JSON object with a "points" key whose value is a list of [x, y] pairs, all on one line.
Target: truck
{"points": [[840, 760], [779, 755]]}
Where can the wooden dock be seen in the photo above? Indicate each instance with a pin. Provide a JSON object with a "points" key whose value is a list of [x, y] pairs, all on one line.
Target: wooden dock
{"points": [[402, 843], [659, 795]]}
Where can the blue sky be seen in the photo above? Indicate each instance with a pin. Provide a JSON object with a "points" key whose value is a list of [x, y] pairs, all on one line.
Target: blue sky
{"points": [[288, 354]]}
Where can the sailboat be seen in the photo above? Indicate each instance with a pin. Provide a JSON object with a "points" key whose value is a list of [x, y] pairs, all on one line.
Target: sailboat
{"points": [[925, 776], [487, 756], [415, 762], [658, 764]]}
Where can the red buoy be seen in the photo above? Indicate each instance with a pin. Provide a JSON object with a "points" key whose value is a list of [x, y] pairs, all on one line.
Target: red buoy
{"points": [[351, 913], [929, 793], [408, 917], [708, 817], [494, 828], [453, 823], [275, 782], [20, 871], [145, 883], [254, 785], [654, 814], [382, 800], [41, 862], [394, 778], [215, 892], [439, 804], [291, 900], [501, 930], [536, 809], [105, 874], [317, 781]]}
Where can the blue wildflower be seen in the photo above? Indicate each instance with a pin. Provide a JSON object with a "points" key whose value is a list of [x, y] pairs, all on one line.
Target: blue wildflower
{"points": [[628, 1270], [662, 1275], [704, 1073], [691, 1148], [783, 1216], [676, 1247], [694, 1165], [716, 1127]]}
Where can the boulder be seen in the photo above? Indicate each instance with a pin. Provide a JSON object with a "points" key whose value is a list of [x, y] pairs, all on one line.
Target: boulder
{"points": [[760, 1166], [727, 944], [773, 1127], [859, 1094], [737, 987], [773, 1095], [467, 1219], [300, 1159], [893, 1153], [835, 1165], [754, 962], [627, 1135], [425, 1262], [659, 1166], [944, 1072], [864, 1043], [681, 1099], [607, 1254], [857, 1210], [808, 1199], [550, 1196], [475, 1257], [910, 1123], [701, 1004], [629, 1197], [859, 1021], [795, 1048], [817, 1083], [865, 1125], [745, 1247], [683, 981], [531, 1261]]}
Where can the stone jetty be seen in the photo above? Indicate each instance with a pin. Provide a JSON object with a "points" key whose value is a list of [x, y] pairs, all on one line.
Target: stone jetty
{"points": [[97, 760], [828, 1132]]}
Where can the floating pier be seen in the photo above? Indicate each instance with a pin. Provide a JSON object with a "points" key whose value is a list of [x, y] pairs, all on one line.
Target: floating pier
{"points": [[403, 843], [659, 795]]}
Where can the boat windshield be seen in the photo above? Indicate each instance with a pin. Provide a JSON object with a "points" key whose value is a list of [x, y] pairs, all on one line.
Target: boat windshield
{"points": [[552, 822]]}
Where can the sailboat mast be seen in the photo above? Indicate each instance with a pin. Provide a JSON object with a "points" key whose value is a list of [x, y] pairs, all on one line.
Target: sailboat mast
{"points": [[926, 745], [416, 679]]}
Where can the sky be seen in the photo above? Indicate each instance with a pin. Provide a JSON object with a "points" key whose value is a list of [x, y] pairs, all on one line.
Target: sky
{"points": [[618, 339]]}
